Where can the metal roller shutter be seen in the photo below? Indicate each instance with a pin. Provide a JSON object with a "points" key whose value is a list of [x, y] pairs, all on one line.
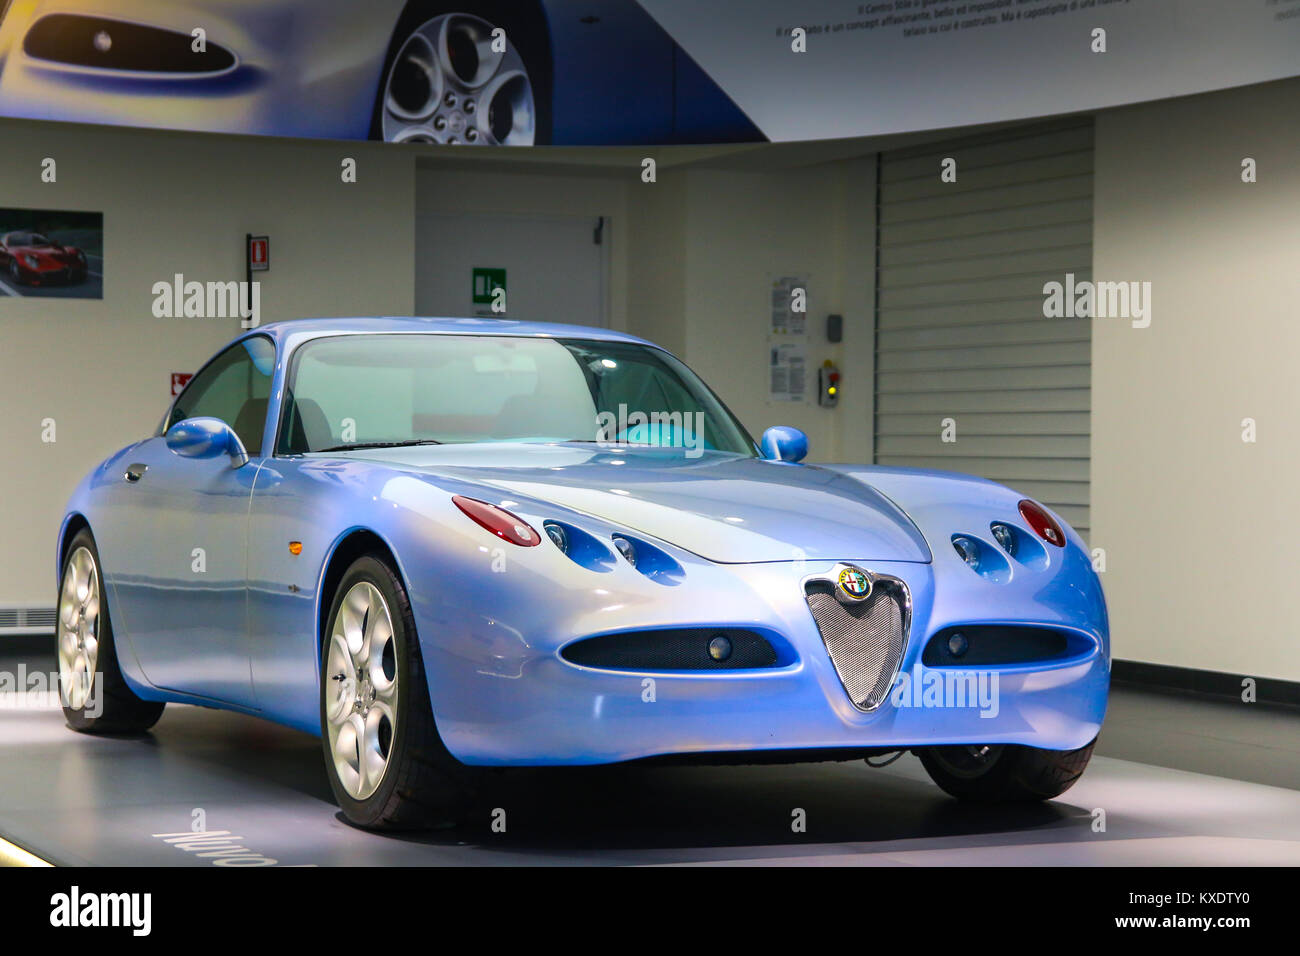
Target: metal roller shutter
{"points": [[960, 331]]}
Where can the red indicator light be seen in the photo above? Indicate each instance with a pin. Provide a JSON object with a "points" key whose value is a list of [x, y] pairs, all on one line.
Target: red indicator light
{"points": [[500, 522], [1044, 526]]}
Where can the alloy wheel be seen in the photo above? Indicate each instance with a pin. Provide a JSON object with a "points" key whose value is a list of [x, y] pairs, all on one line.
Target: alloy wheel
{"points": [[447, 85], [79, 605], [361, 691]]}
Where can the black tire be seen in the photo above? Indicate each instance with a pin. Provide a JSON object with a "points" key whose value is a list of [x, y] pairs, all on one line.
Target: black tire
{"points": [[111, 707], [525, 27], [422, 785], [1005, 773]]}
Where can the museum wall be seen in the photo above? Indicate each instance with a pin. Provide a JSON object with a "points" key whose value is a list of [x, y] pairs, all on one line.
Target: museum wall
{"points": [[743, 229], [1199, 526], [172, 203]]}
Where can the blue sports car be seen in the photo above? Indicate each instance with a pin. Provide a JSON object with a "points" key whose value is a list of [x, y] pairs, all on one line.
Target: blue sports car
{"points": [[450, 544]]}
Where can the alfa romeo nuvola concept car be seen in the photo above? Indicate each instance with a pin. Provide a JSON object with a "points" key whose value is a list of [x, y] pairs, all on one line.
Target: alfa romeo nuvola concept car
{"points": [[451, 544]]}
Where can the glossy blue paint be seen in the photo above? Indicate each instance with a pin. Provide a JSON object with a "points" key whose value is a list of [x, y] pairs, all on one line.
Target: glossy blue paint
{"points": [[203, 438], [738, 534], [784, 443]]}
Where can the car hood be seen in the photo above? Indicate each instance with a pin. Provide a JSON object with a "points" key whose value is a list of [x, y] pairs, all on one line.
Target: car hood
{"points": [[722, 507]]}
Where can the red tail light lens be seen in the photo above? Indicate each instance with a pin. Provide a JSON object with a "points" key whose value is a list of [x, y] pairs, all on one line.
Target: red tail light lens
{"points": [[500, 522], [1044, 526]]}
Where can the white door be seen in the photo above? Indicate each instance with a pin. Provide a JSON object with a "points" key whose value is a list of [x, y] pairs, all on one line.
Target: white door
{"points": [[555, 267]]}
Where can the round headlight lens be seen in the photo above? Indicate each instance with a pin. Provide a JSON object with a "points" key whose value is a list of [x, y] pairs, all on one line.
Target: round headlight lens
{"points": [[967, 549], [626, 548], [557, 535], [1005, 537]]}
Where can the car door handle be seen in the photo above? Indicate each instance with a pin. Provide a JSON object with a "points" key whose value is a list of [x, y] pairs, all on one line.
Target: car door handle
{"points": [[135, 472]]}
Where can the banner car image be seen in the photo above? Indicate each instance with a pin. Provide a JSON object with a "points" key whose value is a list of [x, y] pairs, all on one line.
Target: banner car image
{"points": [[477, 72], [450, 544]]}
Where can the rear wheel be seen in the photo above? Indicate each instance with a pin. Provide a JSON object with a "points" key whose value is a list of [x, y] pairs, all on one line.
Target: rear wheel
{"points": [[386, 764], [96, 698], [995, 773]]}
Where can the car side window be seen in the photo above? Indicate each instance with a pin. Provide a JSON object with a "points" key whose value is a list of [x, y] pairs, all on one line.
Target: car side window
{"points": [[234, 387]]}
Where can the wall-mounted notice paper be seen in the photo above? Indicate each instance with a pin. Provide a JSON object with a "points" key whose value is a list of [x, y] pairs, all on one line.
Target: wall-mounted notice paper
{"points": [[787, 375]]}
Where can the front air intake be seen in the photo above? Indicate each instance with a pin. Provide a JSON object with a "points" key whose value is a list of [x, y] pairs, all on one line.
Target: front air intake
{"points": [[865, 640], [674, 649], [107, 44]]}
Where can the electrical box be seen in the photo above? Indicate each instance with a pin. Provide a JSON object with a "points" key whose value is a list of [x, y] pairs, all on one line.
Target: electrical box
{"points": [[828, 385]]}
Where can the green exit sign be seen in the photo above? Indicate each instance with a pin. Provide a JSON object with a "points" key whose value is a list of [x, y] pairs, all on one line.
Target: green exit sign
{"points": [[485, 282]]}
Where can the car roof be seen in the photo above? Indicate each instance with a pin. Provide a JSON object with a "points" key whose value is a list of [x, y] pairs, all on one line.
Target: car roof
{"points": [[293, 332]]}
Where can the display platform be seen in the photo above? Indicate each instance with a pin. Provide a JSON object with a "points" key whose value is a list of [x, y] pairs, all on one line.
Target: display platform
{"points": [[262, 792]]}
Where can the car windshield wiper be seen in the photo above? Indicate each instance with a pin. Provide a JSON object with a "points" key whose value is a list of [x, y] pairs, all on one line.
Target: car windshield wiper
{"points": [[382, 444]]}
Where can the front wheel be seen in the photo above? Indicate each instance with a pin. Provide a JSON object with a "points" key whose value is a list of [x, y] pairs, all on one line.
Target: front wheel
{"points": [[997, 773], [387, 765], [96, 698]]}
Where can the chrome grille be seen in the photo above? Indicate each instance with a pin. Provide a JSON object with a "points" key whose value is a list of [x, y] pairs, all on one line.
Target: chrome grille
{"points": [[866, 640]]}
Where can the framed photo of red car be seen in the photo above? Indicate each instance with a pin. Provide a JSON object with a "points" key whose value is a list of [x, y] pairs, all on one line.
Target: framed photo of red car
{"points": [[52, 253]]}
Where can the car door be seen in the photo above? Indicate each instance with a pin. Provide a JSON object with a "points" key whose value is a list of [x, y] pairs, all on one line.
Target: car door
{"points": [[182, 589]]}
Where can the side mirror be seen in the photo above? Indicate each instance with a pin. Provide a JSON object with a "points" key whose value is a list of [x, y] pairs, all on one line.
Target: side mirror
{"points": [[206, 438], [783, 443]]}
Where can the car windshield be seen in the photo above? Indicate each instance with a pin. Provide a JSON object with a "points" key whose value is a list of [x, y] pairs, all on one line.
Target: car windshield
{"points": [[375, 390], [28, 239]]}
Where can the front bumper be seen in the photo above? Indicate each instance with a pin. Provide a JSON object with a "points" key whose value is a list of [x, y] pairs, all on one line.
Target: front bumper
{"points": [[53, 275], [503, 695]]}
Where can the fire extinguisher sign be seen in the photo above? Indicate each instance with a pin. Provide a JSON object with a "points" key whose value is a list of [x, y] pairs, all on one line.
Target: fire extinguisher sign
{"points": [[259, 253]]}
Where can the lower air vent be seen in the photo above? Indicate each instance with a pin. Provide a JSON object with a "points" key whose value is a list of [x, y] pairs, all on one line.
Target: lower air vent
{"points": [[27, 620], [986, 644], [678, 649], [865, 640], [108, 44]]}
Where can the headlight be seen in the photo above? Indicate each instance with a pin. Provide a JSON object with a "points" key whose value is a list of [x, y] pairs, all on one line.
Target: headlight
{"points": [[626, 548], [557, 535], [31, 261], [1004, 536], [967, 549]]}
